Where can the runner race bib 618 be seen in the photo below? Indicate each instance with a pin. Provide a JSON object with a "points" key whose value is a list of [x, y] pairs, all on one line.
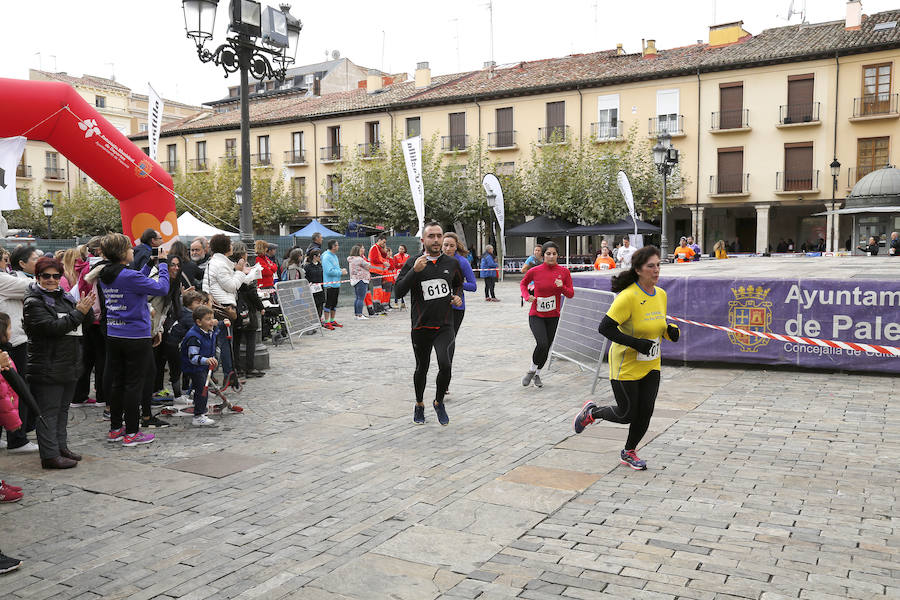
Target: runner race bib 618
{"points": [[435, 288], [653, 355], [546, 303]]}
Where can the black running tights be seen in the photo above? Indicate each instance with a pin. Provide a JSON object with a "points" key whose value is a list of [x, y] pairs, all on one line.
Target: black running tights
{"points": [[544, 330], [634, 405], [458, 316], [442, 341]]}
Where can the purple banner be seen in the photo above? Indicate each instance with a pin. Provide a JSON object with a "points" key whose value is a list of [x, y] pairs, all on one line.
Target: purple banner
{"points": [[862, 311]]}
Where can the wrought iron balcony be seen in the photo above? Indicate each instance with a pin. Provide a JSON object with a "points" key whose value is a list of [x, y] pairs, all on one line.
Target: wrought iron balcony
{"points": [[300, 197], [171, 166], [729, 183], [326, 200], [454, 143], [500, 140], [671, 124], [330, 154], [295, 157], [23, 171], [875, 105], [261, 160], [369, 150], [558, 134], [854, 174], [724, 120], [54, 173], [196, 165], [232, 161], [606, 131], [798, 114], [797, 181]]}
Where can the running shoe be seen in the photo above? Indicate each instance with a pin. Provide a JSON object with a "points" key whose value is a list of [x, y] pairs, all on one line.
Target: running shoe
{"points": [[526, 381], [133, 439], [202, 421], [362, 318], [537, 381], [9, 495], [585, 417], [630, 458], [328, 326], [14, 488], [2, 443], [8, 564], [116, 435], [161, 401], [28, 447], [154, 422], [336, 324], [106, 415], [442, 416], [419, 414]]}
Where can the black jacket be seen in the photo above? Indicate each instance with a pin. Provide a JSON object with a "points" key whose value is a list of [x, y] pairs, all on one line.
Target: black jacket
{"points": [[442, 279], [248, 307], [313, 272], [142, 255], [53, 355]]}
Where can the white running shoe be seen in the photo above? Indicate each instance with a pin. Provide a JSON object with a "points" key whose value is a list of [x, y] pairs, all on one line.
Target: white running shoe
{"points": [[2, 443], [362, 318], [29, 447], [184, 399], [202, 421]]}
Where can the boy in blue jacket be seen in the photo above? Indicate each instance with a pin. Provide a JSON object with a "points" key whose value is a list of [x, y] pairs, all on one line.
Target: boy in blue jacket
{"points": [[198, 357]]}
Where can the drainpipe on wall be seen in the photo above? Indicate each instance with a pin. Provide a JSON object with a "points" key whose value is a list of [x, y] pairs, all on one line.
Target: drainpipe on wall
{"points": [[834, 232], [315, 170], [580, 242], [698, 235]]}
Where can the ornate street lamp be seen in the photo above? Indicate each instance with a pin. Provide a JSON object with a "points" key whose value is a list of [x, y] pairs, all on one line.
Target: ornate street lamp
{"points": [[665, 157], [48, 212], [239, 196], [278, 34]]}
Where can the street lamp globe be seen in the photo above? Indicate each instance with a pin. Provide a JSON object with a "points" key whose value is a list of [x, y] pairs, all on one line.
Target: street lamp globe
{"points": [[48, 208], [294, 26], [239, 196], [199, 19], [491, 200], [835, 167], [659, 153]]}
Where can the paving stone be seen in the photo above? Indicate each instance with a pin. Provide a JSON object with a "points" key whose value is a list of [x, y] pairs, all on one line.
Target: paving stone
{"points": [[379, 577]]}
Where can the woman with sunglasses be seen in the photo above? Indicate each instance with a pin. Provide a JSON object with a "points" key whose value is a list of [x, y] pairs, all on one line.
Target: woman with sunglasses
{"points": [[52, 322]]}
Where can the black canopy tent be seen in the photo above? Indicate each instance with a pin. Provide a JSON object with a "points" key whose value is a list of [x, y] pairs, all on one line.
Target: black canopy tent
{"points": [[624, 226], [544, 226]]}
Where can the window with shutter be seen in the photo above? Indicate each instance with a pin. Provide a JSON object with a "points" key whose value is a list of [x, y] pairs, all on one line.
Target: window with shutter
{"points": [[608, 117], [458, 130], [798, 166], [731, 105], [504, 128], [876, 89], [800, 99], [556, 122], [730, 171]]}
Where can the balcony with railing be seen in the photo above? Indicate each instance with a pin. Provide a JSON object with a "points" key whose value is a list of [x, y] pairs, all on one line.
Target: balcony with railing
{"points": [[171, 166], [54, 173], [261, 161], [454, 143], [231, 161], [671, 124], [854, 174], [332, 154], [295, 157], [608, 131], [875, 106], [326, 201], [729, 184], [790, 182], [557, 134], [369, 151], [730, 120], [197, 165], [798, 115], [23, 171], [299, 196], [502, 140]]}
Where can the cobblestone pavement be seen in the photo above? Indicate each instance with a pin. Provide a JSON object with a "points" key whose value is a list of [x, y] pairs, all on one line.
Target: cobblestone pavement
{"points": [[761, 484]]}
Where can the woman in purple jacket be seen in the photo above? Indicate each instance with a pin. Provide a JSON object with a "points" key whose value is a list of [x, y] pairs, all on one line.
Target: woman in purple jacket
{"points": [[126, 318], [453, 247]]}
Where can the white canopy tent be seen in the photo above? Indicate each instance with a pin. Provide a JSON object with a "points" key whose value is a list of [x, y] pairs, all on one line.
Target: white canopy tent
{"points": [[190, 226]]}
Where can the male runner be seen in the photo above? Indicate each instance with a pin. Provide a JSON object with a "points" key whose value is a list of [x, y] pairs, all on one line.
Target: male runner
{"points": [[434, 282]]}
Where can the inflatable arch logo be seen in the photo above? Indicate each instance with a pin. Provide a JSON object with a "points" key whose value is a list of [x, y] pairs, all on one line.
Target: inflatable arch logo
{"points": [[53, 112]]}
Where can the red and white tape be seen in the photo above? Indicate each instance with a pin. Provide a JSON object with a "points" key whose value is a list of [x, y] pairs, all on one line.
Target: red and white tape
{"points": [[874, 348]]}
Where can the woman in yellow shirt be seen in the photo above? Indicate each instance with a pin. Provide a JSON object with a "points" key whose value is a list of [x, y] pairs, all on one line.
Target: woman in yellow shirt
{"points": [[720, 249], [635, 324]]}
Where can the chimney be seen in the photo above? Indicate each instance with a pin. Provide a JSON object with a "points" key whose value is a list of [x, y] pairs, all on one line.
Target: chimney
{"points": [[423, 75], [854, 15], [727, 33], [489, 64], [373, 81], [619, 50], [649, 48]]}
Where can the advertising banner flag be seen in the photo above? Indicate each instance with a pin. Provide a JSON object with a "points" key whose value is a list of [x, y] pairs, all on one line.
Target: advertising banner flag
{"points": [[625, 188], [412, 154], [154, 120], [10, 154], [492, 188]]}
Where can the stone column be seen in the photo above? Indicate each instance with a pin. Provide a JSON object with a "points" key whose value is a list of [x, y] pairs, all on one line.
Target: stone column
{"points": [[762, 228], [697, 225]]}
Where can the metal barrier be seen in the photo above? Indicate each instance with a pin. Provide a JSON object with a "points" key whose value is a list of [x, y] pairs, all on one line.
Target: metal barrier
{"points": [[297, 307], [576, 338]]}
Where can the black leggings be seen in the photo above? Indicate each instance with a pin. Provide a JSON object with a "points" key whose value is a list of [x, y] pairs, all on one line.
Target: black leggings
{"points": [[489, 287], [634, 405], [129, 370], [544, 330], [458, 316], [442, 340]]}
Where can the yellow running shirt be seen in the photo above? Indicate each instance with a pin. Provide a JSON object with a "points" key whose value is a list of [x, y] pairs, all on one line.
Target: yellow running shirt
{"points": [[639, 315]]}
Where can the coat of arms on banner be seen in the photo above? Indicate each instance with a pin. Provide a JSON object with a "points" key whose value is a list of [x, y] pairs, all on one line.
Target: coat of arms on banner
{"points": [[749, 310]]}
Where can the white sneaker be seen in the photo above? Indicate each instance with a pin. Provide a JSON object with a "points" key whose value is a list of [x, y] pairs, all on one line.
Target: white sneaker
{"points": [[2, 443], [184, 399], [202, 421], [29, 447], [362, 318]]}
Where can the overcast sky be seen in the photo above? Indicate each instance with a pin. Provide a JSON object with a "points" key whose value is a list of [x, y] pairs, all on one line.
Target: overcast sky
{"points": [[143, 41]]}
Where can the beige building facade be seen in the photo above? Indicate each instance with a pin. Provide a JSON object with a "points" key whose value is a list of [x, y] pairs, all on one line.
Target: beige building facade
{"points": [[758, 120], [45, 173]]}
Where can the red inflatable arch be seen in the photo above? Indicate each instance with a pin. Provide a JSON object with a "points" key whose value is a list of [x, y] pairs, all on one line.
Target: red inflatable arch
{"points": [[53, 112]]}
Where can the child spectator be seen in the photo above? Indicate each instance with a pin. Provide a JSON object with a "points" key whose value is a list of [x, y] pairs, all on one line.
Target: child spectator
{"points": [[9, 406], [198, 351]]}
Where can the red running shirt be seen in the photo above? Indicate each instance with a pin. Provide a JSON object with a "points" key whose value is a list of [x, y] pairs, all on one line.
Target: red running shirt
{"points": [[547, 293]]}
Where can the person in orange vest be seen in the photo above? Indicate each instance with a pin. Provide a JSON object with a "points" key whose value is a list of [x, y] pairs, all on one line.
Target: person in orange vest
{"points": [[397, 261], [604, 260], [378, 260], [390, 276]]}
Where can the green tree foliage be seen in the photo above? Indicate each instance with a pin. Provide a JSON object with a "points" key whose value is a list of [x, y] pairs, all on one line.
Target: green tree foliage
{"points": [[89, 210]]}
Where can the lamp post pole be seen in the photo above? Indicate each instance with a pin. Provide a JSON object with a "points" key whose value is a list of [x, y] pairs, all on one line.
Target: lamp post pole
{"points": [[246, 220], [48, 212], [834, 230], [665, 157]]}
